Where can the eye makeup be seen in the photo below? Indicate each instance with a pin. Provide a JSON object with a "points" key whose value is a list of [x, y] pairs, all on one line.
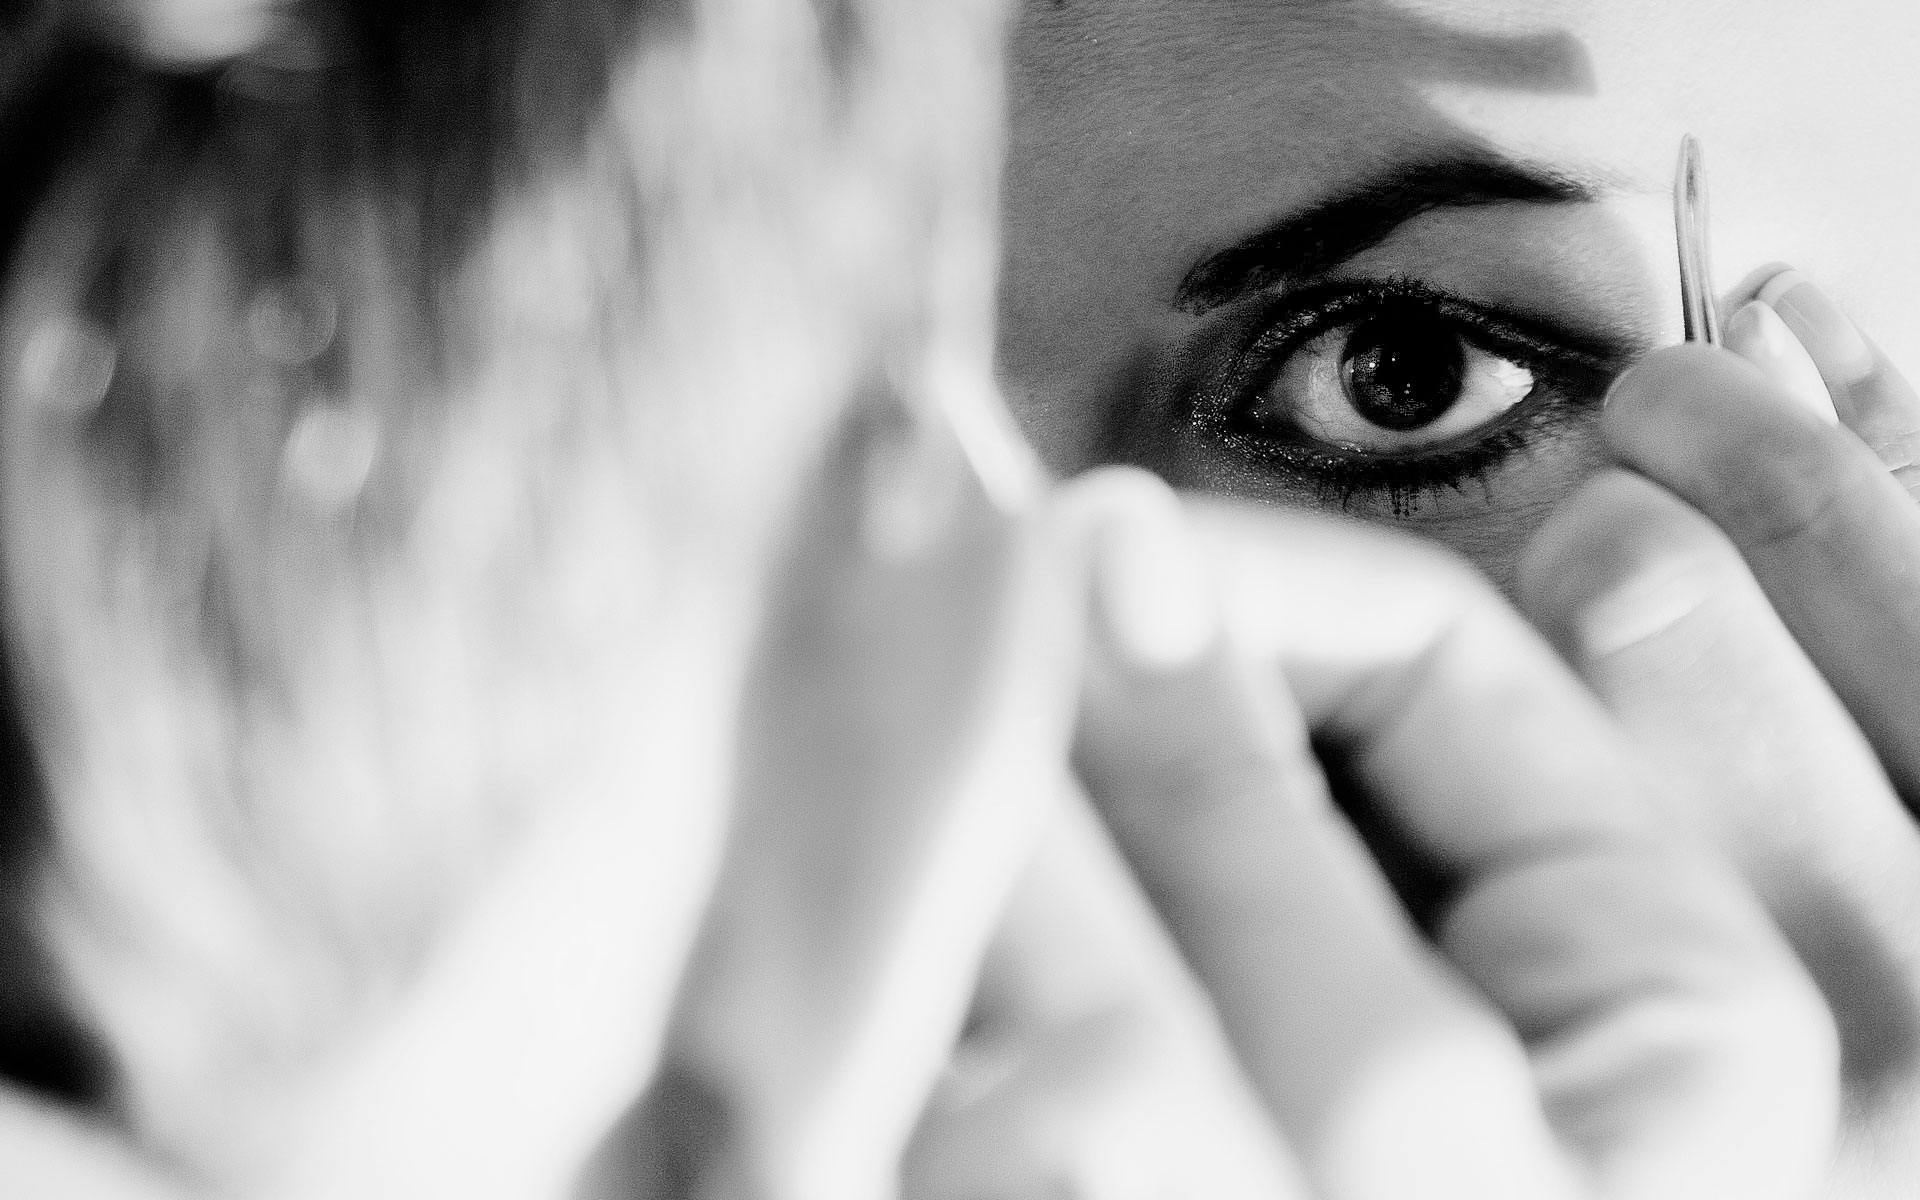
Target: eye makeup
{"points": [[1569, 369]]}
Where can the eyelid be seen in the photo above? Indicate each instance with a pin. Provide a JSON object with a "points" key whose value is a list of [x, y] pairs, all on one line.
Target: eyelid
{"points": [[1302, 312]]}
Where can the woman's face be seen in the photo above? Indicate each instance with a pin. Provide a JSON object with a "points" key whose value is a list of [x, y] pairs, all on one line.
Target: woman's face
{"points": [[1386, 256]]}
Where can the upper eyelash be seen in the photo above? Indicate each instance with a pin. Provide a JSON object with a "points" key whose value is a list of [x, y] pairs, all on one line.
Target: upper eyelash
{"points": [[1297, 315], [1288, 321]]}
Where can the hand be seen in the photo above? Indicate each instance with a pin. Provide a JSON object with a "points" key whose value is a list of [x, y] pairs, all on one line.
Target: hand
{"points": [[904, 736], [1748, 604], [1606, 1016], [46, 1151], [1093, 1064], [903, 748]]}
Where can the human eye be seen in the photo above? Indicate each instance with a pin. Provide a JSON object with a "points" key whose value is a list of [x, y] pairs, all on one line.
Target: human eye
{"points": [[1396, 389]]}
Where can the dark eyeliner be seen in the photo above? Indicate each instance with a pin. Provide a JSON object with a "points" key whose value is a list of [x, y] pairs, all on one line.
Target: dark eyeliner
{"points": [[1571, 369]]}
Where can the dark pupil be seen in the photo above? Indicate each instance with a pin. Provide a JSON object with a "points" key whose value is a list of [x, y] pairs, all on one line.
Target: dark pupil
{"points": [[1402, 372]]}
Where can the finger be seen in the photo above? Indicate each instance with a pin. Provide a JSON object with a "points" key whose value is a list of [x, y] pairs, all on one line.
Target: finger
{"points": [[1388, 1073], [187, 33], [1656, 609], [874, 839], [1671, 1033], [1757, 334], [1093, 1066], [1873, 398], [904, 737], [1831, 537], [46, 1153]]}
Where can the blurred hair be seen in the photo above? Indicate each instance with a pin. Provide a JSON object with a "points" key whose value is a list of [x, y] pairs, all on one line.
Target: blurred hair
{"points": [[397, 418]]}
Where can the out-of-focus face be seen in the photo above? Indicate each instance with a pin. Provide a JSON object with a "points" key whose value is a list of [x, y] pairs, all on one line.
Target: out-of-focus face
{"points": [[1386, 256], [376, 502]]}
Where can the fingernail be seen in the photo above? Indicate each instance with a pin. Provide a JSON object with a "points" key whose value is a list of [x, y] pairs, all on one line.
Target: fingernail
{"points": [[912, 477], [989, 438], [1826, 333], [292, 321], [1613, 389], [67, 365], [1761, 337], [1750, 284], [329, 455], [1152, 584]]}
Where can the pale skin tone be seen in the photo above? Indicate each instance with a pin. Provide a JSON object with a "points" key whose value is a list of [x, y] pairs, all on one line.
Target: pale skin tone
{"points": [[556, 960], [1148, 137], [1770, 632]]}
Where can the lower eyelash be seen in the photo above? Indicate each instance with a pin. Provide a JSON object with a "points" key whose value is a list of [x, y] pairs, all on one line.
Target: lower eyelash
{"points": [[1402, 480]]}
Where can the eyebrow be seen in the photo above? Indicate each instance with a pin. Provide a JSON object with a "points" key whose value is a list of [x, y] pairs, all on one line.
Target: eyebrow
{"points": [[1319, 238]]}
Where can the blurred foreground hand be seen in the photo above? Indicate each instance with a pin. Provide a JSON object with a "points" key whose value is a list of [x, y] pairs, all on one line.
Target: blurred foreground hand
{"points": [[1606, 1011]]}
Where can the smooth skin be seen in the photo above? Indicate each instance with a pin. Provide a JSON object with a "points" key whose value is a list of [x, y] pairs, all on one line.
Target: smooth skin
{"points": [[1605, 1013], [1768, 667], [1743, 600], [1148, 134]]}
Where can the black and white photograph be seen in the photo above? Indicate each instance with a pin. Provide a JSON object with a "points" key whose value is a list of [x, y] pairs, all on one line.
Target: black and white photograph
{"points": [[959, 600]]}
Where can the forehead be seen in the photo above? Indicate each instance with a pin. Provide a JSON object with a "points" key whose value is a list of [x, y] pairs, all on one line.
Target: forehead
{"points": [[1200, 118], [1612, 82]]}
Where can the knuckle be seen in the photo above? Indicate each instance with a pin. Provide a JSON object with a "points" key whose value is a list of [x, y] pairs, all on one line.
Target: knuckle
{"points": [[1908, 477], [1207, 796], [1777, 493], [1896, 442], [1616, 527], [1195, 821], [1879, 384]]}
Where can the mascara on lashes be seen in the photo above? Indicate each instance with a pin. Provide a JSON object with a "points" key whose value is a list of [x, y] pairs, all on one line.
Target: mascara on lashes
{"points": [[1570, 366]]}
